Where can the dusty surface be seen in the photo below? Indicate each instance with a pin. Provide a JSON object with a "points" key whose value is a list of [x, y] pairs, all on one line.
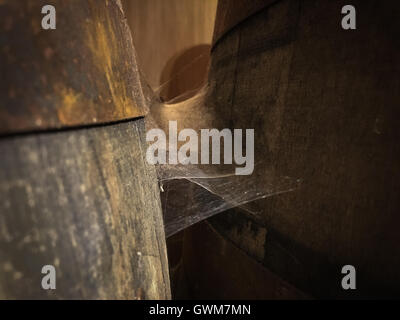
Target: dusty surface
{"points": [[86, 202], [82, 73], [324, 105]]}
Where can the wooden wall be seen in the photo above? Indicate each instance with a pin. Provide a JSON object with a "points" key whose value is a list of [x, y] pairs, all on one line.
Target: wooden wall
{"points": [[172, 37]]}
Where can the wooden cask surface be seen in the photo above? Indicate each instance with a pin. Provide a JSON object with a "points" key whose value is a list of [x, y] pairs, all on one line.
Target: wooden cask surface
{"points": [[86, 202], [84, 72], [324, 105], [75, 196]]}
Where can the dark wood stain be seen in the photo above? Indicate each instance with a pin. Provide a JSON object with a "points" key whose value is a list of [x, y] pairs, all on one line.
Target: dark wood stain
{"points": [[82, 73], [324, 105], [87, 202]]}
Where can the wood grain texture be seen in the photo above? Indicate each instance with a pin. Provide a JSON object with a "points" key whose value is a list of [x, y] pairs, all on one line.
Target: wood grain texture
{"points": [[324, 105], [230, 13], [82, 73], [87, 202], [170, 37]]}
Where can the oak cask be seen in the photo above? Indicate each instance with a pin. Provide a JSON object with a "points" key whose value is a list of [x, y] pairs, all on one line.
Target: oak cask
{"points": [[324, 105], [76, 190]]}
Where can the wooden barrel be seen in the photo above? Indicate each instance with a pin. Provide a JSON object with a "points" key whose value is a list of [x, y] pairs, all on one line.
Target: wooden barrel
{"points": [[76, 191], [324, 103]]}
